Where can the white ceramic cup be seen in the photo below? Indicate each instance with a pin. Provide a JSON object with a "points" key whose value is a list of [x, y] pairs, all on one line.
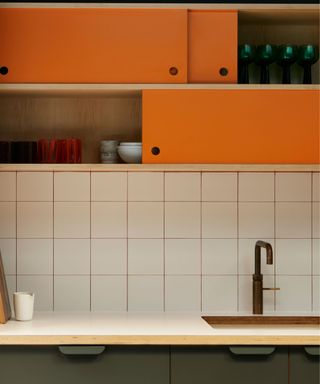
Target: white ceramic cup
{"points": [[23, 305]]}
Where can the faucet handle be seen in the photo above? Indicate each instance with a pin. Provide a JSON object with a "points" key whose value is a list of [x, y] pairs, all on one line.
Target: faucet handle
{"points": [[271, 289]]}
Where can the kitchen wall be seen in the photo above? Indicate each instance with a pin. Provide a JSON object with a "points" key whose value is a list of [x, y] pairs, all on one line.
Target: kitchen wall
{"points": [[154, 241]]}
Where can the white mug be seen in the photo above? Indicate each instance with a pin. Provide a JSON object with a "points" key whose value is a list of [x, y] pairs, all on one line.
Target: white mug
{"points": [[23, 305]]}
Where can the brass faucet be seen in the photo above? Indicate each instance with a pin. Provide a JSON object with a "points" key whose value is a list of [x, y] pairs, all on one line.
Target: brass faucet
{"points": [[258, 277]]}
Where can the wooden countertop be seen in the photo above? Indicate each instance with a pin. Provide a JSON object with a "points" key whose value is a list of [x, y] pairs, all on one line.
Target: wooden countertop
{"points": [[58, 328]]}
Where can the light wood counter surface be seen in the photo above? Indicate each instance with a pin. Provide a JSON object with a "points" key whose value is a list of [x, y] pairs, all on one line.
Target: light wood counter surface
{"points": [[80, 328]]}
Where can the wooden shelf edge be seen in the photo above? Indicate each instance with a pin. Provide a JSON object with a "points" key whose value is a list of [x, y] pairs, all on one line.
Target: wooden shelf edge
{"points": [[134, 90], [159, 167]]}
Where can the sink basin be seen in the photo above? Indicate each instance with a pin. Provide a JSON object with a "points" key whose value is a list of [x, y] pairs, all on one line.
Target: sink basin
{"points": [[254, 320]]}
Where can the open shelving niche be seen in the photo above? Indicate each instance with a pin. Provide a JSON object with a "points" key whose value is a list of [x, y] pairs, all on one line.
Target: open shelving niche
{"points": [[94, 112]]}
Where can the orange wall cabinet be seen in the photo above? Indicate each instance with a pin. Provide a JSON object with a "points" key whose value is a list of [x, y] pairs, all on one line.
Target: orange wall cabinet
{"points": [[70, 45], [213, 45], [230, 126]]}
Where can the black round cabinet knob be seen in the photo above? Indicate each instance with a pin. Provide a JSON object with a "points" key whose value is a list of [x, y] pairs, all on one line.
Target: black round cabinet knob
{"points": [[155, 151], [173, 71], [223, 71], [4, 70]]}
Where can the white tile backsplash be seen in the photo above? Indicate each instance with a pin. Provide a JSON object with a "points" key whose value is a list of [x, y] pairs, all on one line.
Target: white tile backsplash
{"points": [[8, 186], [316, 293], [72, 186], [183, 186], [293, 186], [72, 256], [145, 257], [11, 281], [154, 241], [256, 186], [71, 220], [145, 220], [7, 220], [109, 186], [219, 293], [145, 186], [293, 220], [8, 254], [35, 220], [109, 293], [219, 220], [35, 256], [71, 293], [183, 256], [219, 256], [109, 256], [219, 186], [34, 186], [183, 293]]}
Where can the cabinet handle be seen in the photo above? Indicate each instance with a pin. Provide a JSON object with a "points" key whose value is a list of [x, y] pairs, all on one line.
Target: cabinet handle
{"points": [[252, 350], [313, 350], [4, 70], [92, 350], [223, 71], [173, 71], [155, 151]]}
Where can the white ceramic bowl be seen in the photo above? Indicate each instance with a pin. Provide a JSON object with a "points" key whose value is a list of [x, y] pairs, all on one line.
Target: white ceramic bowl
{"points": [[131, 144], [130, 154]]}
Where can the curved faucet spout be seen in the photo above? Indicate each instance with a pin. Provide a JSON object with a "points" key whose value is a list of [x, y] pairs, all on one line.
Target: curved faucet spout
{"points": [[257, 251]]}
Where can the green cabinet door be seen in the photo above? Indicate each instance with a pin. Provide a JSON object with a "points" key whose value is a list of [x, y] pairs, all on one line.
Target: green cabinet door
{"points": [[234, 365], [304, 365], [80, 365]]}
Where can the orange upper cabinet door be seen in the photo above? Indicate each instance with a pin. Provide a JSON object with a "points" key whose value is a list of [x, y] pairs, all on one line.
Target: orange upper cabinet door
{"points": [[231, 126], [93, 45], [213, 46]]}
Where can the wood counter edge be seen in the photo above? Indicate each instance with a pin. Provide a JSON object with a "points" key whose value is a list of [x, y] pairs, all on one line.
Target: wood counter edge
{"points": [[158, 340]]}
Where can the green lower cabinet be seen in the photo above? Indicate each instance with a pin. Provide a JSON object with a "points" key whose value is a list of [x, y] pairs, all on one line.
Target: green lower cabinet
{"points": [[83, 365], [304, 365], [234, 365]]}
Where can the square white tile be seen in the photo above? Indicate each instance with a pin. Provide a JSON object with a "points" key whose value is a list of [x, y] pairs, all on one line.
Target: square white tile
{"points": [[183, 293], [145, 256], [219, 256], [145, 293], [35, 186], [108, 219], [219, 293], [316, 293], [8, 186], [72, 256], [7, 220], [109, 293], [42, 287], [219, 186], [145, 186], [145, 220], [293, 257], [71, 220], [109, 256], [293, 186], [72, 186], [316, 186], [247, 257], [293, 220], [8, 254], [183, 256], [35, 220], [255, 186], [71, 293], [219, 220], [294, 294], [182, 186], [256, 220], [182, 220], [316, 256], [245, 294], [109, 186], [316, 220], [35, 256]]}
